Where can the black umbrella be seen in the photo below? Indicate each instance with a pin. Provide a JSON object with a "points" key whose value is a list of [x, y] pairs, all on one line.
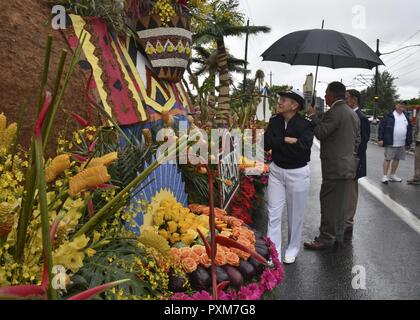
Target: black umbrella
{"points": [[321, 47]]}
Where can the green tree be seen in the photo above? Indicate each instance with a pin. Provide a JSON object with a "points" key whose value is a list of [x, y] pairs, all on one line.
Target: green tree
{"points": [[387, 93]]}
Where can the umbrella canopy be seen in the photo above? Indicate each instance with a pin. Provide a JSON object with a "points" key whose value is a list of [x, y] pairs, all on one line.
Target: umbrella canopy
{"points": [[322, 47]]}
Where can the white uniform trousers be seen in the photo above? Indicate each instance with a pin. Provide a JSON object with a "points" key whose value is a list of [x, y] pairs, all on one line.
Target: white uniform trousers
{"points": [[287, 188]]}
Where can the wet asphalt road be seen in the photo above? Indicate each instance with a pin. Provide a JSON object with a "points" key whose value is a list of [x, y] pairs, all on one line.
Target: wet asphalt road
{"points": [[384, 246]]}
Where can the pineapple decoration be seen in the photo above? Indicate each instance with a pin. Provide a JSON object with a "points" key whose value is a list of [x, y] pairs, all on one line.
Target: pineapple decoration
{"points": [[7, 215], [7, 134], [8, 200]]}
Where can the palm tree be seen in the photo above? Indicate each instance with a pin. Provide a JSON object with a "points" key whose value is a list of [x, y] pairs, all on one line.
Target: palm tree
{"points": [[206, 61], [224, 20]]}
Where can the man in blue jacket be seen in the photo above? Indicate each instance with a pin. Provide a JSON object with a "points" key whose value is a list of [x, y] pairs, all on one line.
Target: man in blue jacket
{"points": [[395, 134]]}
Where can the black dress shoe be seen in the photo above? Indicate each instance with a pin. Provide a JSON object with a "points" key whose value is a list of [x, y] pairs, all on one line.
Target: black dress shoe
{"points": [[317, 245]]}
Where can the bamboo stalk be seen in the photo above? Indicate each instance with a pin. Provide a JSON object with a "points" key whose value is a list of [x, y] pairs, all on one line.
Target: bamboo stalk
{"points": [[30, 176], [42, 195], [59, 97], [45, 224], [51, 115]]}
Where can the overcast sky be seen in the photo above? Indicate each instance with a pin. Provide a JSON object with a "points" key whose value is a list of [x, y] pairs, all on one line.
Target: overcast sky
{"points": [[395, 23]]}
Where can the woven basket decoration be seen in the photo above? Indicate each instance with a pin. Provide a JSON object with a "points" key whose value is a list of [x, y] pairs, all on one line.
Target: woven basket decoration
{"points": [[168, 48]]}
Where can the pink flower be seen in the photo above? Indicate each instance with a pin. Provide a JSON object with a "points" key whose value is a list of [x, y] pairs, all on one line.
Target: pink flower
{"points": [[270, 279], [250, 292], [264, 179], [202, 295], [181, 296]]}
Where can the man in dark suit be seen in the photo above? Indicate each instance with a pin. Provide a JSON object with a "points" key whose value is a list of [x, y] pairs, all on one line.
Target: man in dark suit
{"points": [[353, 100], [339, 134]]}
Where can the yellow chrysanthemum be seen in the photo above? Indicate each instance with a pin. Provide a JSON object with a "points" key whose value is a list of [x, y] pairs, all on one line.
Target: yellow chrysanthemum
{"points": [[153, 240]]}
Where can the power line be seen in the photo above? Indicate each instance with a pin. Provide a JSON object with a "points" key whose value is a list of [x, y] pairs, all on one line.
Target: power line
{"points": [[408, 65], [399, 55], [409, 38], [404, 59], [406, 47], [409, 72]]}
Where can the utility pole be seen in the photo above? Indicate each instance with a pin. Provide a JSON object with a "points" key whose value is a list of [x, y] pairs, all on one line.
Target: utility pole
{"points": [[376, 98], [271, 79], [246, 54]]}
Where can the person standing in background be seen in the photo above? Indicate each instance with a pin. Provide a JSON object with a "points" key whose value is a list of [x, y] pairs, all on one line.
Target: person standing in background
{"points": [[339, 134], [395, 134], [416, 178], [353, 100]]}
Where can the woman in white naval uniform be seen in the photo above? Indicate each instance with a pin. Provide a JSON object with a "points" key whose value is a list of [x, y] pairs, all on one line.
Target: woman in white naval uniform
{"points": [[289, 136]]}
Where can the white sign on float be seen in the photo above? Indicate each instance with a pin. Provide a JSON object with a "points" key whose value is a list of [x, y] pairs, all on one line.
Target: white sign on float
{"points": [[228, 170]]}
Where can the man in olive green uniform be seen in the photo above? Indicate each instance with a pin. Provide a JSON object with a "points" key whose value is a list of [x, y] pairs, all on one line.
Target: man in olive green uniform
{"points": [[339, 134]]}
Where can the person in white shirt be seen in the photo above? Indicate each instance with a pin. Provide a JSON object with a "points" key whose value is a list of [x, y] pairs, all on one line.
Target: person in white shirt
{"points": [[395, 134]]}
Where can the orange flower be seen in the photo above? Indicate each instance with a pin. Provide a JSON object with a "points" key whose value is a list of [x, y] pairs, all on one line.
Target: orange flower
{"points": [[88, 178], [189, 265], [227, 182], [199, 250], [105, 160], [205, 260], [235, 222], [58, 165], [184, 252], [220, 258], [175, 256], [232, 258], [241, 254]]}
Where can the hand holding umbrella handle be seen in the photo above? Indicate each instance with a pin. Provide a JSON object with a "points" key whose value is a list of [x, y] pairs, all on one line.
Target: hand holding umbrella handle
{"points": [[311, 111]]}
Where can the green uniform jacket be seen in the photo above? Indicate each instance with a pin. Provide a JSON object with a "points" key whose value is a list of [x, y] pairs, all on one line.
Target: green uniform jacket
{"points": [[339, 133]]}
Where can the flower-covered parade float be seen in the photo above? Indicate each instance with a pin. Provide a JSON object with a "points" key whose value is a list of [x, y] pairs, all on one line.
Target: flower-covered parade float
{"points": [[108, 216]]}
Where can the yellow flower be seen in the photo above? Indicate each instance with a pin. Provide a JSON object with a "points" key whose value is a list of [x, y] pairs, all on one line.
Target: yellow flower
{"points": [[80, 242], [88, 178], [175, 237], [7, 134], [163, 233], [168, 216], [172, 226], [153, 240], [187, 238], [90, 252], [96, 236], [58, 165], [105, 160], [67, 256]]}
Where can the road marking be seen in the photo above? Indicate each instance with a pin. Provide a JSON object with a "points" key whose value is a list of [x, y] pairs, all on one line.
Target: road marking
{"points": [[400, 211], [403, 213]]}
